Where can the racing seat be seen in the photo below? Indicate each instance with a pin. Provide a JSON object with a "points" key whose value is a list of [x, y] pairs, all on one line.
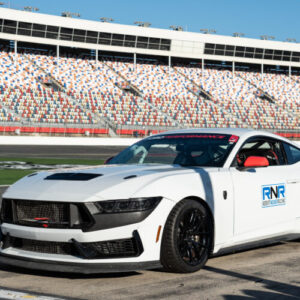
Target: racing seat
{"points": [[269, 154]]}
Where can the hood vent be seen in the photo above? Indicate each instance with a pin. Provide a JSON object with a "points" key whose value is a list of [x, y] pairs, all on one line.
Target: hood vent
{"points": [[72, 176], [130, 176]]}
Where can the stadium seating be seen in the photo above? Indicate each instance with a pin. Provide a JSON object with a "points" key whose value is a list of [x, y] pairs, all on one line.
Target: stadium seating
{"points": [[283, 89], [22, 91], [88, 91], [241, 99], [95, 87], [172, 94]]}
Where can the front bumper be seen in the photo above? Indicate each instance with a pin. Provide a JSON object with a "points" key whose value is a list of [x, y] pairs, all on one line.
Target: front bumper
{"points": [[149, 257], [83, 268]]}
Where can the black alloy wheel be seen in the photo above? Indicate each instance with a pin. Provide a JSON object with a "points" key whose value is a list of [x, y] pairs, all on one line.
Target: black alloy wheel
{"points": [[187, 238]]}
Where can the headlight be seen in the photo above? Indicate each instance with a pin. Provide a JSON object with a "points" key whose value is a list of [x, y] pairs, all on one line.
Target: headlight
{"points": [[127, 205]]}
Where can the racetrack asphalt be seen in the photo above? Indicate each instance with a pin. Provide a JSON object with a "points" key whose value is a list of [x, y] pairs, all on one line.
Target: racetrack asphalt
{"points": [[271, 272], [82, 152]]}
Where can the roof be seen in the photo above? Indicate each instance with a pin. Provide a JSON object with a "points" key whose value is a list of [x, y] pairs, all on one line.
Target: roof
{"points": [[241, 132], [235, 131]]}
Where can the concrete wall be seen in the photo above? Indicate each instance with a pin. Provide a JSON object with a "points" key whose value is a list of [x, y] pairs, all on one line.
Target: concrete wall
{"points": [[66, 141]]}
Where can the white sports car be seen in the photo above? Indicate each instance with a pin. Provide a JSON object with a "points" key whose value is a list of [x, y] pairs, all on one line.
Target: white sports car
{"points": [[170, 200]]}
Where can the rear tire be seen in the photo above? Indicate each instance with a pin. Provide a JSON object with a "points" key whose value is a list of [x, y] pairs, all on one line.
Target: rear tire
{"points": [[187, 238]]}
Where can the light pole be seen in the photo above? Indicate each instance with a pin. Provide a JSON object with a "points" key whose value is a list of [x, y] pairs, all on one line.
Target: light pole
{"points": [[142, 24], [267, 37], [208, 31], [107, 20], [69, 14], [30, 8], [238, 34], [176, 27]]}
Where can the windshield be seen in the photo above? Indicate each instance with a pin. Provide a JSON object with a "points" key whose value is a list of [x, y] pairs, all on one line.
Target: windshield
{"points": [[202, 150]]}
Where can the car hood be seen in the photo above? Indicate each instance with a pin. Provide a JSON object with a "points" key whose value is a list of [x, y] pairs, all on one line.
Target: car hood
{"points": [[93, 183]]}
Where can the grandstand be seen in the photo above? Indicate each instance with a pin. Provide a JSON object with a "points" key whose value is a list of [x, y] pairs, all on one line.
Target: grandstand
{"points": [[112, 79]]}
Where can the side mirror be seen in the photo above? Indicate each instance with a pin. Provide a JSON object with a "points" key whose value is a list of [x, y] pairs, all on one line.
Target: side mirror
{"points": [[255, 162], [108, 160]]}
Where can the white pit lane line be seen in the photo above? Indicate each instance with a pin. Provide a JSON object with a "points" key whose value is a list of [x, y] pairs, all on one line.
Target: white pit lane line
{"points": [[15, 295]]}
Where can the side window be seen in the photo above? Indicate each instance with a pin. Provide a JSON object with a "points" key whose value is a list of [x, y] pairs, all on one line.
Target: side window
{"points": [[270, 149], [292, 153]]}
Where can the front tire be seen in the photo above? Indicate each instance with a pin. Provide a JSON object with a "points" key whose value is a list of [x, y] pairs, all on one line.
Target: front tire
{"points": [[187, 238]]}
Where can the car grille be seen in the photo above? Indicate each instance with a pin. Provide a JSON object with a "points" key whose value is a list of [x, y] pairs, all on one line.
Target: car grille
{"points": [[44, 214], [106, 249], [42, 246], [126, 247], [27, 212]]}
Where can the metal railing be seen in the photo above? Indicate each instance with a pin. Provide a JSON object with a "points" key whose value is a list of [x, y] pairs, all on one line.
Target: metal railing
{"points": [[134, 130]]}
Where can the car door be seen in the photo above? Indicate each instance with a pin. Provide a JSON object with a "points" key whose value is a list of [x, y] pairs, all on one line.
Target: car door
{"points": [[262, 206], [293, 182]]}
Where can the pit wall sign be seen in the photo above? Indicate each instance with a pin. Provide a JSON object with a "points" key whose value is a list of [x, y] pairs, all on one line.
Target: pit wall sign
{"points": [[273, 195]]}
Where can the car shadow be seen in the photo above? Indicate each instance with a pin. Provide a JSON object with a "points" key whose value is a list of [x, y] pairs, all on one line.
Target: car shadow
{"points": [[277, 290], [233, 252]]}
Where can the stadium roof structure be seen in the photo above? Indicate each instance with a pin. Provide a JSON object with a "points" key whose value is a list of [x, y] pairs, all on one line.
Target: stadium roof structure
{"points": [[23, 26]]}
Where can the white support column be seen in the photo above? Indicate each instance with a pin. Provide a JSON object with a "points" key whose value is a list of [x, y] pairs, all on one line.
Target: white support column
{"points": [[202, 65], [57, 51], [97, 56], [134, 61], [15, 50], [290, 70], [262, 70], [233, 68], [170, 63]]}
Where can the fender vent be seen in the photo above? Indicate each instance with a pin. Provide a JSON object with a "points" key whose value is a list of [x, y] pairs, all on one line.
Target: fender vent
{"points": [[72, 176]]}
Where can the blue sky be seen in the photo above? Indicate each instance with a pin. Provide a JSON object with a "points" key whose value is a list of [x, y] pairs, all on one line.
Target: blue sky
{"points": [[279, 18]]}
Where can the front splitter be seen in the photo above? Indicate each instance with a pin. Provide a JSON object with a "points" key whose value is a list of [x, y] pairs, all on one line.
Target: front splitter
{"points": [[83, 268]]}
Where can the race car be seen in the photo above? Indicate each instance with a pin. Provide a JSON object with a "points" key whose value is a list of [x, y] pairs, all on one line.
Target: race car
{"points": [[171, 200]]}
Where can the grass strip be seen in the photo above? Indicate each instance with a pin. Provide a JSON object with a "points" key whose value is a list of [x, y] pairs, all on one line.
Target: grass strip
{"points": [[12, 175], [55, 161]]}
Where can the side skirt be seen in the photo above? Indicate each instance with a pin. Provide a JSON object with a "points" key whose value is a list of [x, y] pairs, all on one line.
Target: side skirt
{"points": [[257, 244]]}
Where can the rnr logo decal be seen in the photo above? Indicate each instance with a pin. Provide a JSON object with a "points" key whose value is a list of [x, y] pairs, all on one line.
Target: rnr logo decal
{"points": [[273, 195]]}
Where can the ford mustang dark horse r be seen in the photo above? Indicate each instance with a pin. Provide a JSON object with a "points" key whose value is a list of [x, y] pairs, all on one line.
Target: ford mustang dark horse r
{"points": [[170, 200]]}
